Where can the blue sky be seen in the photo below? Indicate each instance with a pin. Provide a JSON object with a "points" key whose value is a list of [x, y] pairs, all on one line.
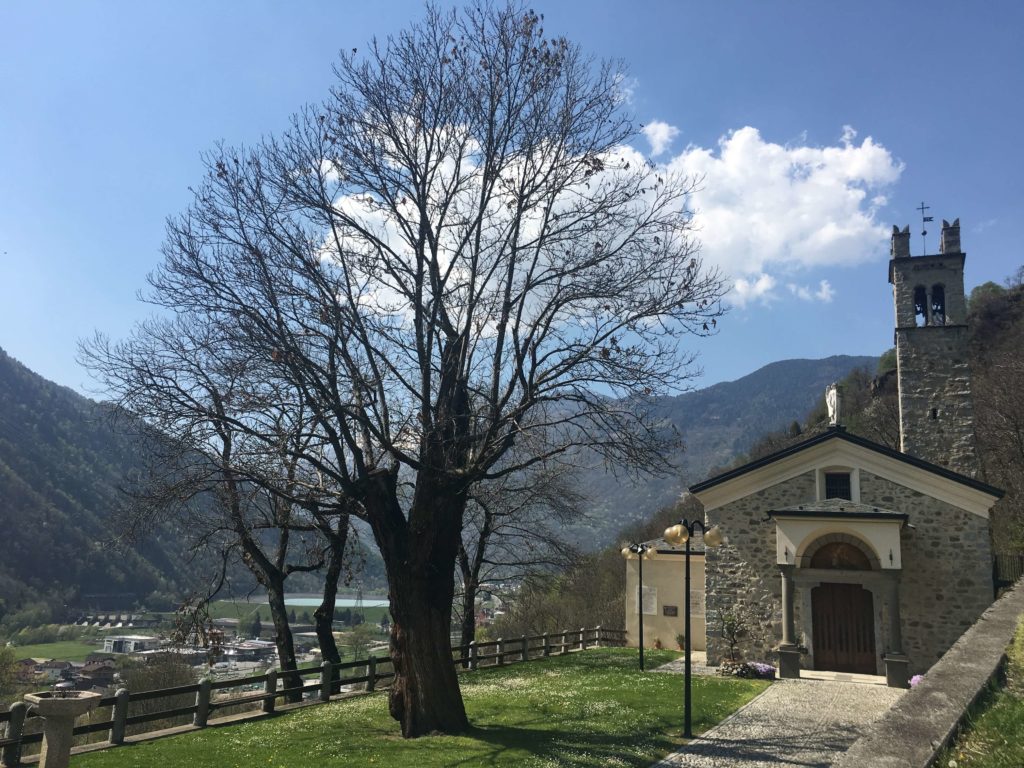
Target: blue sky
{"points": [[817, 126]]}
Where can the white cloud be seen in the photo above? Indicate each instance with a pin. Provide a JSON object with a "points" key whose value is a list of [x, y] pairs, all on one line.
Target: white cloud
{"points": [[660, 135], [760, 287], [768, 210], [825, 292]]}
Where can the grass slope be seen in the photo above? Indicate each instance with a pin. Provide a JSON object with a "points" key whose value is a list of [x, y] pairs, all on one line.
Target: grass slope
{"points": [[65, 650], [994, 736], [584, 709]]}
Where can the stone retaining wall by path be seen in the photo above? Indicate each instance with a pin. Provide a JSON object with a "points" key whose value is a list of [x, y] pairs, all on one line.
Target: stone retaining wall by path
{"points": [[927, 718]]}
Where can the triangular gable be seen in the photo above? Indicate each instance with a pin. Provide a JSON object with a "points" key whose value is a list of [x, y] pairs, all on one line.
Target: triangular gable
{"points": [[836, 447]]}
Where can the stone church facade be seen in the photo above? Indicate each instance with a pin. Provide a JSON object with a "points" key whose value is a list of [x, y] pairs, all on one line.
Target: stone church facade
{"points": [[846, 555]]}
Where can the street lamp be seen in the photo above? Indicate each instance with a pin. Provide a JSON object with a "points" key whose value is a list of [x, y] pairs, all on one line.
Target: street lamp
{"points": [[681, 533], [639, 552]]}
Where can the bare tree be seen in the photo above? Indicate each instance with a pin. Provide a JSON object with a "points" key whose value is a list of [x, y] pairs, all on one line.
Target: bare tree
{"points": [[513, 528], [234, 489], [455, 255]]}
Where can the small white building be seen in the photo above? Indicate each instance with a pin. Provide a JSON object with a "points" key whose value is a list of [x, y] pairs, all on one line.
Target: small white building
{"points": [[130, 643], [663, 595]]}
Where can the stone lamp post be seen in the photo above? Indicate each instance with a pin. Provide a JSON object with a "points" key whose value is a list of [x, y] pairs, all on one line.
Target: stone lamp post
{"points": [[59, 710]]}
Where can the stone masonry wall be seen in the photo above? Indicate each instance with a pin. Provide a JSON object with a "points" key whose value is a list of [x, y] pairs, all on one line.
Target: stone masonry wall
{"points": [[935, 378], [946, 581], [945, 584], [742, 575], [927, 271]]}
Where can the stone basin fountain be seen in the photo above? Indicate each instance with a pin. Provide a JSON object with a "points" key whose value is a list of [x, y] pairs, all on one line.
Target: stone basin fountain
{"points": [[59, 708]]}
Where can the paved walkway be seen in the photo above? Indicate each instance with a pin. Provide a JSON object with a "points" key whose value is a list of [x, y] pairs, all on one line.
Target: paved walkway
{"points": [[795, 723]]}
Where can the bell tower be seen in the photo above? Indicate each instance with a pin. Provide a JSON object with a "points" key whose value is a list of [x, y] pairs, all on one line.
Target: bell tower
{"points": [[936, 409]]}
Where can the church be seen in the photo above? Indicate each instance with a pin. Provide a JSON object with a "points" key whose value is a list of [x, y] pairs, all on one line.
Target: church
{"points": [[842, 554]]}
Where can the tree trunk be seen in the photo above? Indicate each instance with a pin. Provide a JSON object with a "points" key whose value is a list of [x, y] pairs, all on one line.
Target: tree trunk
{"points": [[283, 639], [420, 558], [425, 695], [468, 629], [324, 614]]}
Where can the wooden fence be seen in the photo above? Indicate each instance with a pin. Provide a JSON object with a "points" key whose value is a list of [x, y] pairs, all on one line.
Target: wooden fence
{"points": [[207, 698], [1006, 571]]}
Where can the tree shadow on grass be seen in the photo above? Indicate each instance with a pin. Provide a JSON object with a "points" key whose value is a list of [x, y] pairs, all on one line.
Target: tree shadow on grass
{"points": [[806, 750], [565, 746]]}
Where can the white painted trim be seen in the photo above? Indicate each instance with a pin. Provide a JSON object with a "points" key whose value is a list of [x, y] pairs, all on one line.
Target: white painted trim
{"points": [[841, 453]]}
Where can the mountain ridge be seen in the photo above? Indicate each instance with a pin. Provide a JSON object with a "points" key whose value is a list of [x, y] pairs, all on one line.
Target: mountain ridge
{"points": [[61, 467], [718, 423]]}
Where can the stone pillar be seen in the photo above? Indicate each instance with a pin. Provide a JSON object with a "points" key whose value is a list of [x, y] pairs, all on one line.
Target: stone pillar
{"points": [[202, 703], [895, 628], [789, 652], [371, 673], [897, 664], [10, 756], [326, 670], [120, 715], [269, 690], [788, 626]]}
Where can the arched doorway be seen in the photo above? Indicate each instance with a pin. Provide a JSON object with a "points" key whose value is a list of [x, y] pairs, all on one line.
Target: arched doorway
{"points": [[842, 613]]}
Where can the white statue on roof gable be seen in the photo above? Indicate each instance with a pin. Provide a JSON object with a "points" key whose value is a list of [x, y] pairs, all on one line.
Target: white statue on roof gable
{"points": [[833, 400]]}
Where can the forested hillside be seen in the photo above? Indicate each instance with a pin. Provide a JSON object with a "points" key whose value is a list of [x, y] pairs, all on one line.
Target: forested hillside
{"points": [[60, 469]]}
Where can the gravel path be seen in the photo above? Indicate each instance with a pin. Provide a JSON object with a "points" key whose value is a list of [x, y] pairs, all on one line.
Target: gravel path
{"points": [[805, 723]]}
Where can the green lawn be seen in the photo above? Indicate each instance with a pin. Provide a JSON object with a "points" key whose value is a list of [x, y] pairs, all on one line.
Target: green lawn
{"points": [[583, 709], [67, 650], [994, 736]]}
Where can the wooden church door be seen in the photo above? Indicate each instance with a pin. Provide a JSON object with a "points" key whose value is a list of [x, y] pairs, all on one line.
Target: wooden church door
{"points": [[844, 628]]}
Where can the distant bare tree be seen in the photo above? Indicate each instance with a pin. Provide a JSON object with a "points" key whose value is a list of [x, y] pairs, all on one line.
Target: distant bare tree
{"points": [[514, 528], [236, 491]]}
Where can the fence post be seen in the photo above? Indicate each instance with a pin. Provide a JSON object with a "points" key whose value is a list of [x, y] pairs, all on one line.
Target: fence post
{"points": [[500, 650], [547, 645], [11, 754], [371, 673], [202, 704], [472, 654], [583, 638], [116, 735], [565, 641], [598, 636], [270, 689], [523, 653], [325, 680]]}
